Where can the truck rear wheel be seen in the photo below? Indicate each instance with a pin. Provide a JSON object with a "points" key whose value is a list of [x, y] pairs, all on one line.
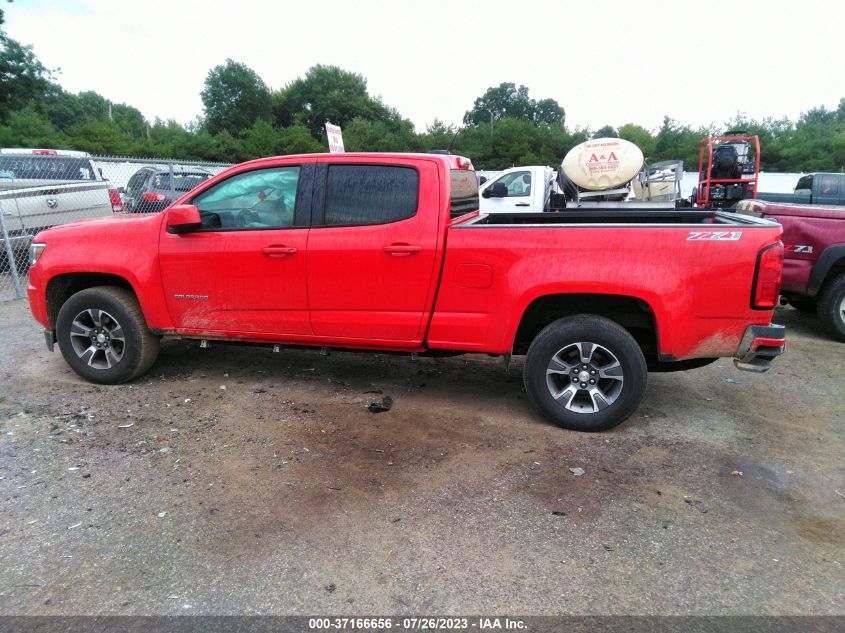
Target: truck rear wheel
{"points": [[103, 335], [831, 308], [585, 373]]}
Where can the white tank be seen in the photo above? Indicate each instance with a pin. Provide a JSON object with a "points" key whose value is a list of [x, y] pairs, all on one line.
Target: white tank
{"points": [[602, 163]]}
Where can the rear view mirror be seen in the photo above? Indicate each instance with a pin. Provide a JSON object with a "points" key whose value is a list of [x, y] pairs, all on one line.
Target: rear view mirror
{"points": [[183, 218]]}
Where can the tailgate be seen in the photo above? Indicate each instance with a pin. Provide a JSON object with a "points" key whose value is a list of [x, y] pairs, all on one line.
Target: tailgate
{"points": [[38, 206]]}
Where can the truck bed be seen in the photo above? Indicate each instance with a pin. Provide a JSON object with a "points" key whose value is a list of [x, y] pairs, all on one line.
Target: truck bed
{"points": [[688, 272], [614, 217]]}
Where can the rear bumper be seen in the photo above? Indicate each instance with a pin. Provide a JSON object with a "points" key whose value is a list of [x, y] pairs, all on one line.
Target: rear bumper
{"points": [[759, 346]]}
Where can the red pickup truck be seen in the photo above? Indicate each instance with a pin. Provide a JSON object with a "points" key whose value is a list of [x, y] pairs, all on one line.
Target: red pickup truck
{"points": [[814, 266], [388, 252]]}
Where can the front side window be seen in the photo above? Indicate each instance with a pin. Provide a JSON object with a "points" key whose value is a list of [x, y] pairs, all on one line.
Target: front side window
{"points": [[518, 183], [260, 199], [805, 182], [370, 194]]}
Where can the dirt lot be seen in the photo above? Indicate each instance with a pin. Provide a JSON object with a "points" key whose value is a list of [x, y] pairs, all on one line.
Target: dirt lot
{"points": [[235, 480]]}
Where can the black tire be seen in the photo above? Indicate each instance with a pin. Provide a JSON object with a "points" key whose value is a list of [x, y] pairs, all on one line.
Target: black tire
{"points": [[562, 342], [126, 349], [810, 306], [831, 308]]}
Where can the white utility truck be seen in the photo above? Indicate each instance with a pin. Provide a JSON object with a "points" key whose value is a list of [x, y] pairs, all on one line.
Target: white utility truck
{"points": [[601, 172]]}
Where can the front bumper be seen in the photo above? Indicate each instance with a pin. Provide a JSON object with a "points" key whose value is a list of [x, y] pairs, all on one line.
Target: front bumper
{"points": [[759, 346]]}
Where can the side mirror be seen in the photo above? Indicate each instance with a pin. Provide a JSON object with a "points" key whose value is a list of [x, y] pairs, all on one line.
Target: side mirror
{"points": [[183, 218], [496, 190], [482, 180]]}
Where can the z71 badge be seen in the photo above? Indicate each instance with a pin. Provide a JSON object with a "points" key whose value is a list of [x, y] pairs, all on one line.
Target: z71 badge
{"points": [[714, 236], [797, 248]]}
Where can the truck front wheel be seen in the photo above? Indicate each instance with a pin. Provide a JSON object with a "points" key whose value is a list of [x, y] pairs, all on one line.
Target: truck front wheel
{"points": [[585, 373], [103, 335], [831, 308]]}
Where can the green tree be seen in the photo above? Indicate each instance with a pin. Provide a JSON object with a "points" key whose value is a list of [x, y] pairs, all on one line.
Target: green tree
{"points": [[63, 108], [509, 101], [95, 107], [438, 135], [677, 141], [297, 139], [98, 137], [261, 140], [329, 93], [607, 131], [30, 128], [234, 98], [23, 79], [640, 137], [128, 119], [549, 112]]}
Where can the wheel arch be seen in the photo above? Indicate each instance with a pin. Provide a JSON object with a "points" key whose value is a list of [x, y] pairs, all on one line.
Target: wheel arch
{"points": [[61, 287], [632, 313], [830, 263]]}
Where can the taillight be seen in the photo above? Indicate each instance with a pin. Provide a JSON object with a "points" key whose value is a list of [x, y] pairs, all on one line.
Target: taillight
{"points": [[464, 164], [116, 202], [150, 196], [45, 152], [767, 276]]}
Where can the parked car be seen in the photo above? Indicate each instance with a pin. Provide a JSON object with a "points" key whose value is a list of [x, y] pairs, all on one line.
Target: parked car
{"points": [[389, 252], [814, 268], [40, 188], [815, 188], [152, 189]]}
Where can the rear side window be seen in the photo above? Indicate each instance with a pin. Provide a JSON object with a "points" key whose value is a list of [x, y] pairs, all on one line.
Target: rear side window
{"points": [[828, 185], [370, 194], [47, 167]]}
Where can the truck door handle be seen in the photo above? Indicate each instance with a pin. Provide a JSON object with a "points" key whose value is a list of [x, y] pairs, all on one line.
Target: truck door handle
{"points": [[522, 204], [402, 249], [278, 251]]}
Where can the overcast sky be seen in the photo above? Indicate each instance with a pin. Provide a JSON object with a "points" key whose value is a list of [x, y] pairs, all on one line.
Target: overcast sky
{"points": [[604, 61]]}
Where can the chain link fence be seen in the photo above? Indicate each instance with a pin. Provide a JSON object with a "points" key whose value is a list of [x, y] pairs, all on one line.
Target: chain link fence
{"points": [[44, 188]]}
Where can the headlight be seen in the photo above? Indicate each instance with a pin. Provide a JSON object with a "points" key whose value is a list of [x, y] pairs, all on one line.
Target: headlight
{"points": [[35, 250]]}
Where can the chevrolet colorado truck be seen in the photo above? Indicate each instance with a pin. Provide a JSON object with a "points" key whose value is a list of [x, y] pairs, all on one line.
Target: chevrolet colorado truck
{"points": [[389, 252], [814, 264]]}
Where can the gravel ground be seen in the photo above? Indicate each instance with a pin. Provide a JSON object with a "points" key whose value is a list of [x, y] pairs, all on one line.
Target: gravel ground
{"points": [[234, 480]]}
